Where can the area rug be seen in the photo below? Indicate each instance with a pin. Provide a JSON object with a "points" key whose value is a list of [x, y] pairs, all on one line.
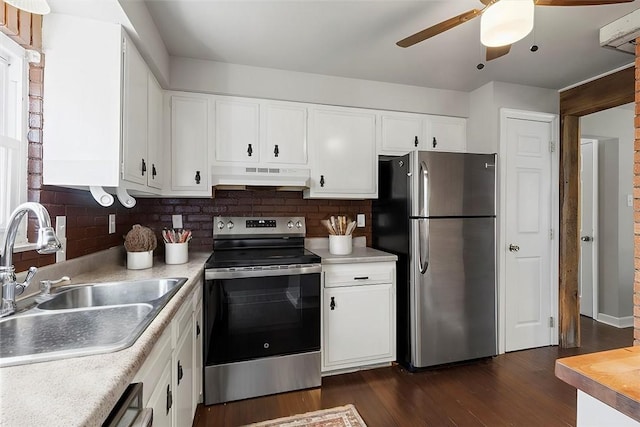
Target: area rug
{"points": [[341, 416]]}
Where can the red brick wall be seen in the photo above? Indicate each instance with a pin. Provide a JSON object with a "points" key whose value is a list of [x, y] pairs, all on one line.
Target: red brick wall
{"points": [[636, 205], [87, 222]]}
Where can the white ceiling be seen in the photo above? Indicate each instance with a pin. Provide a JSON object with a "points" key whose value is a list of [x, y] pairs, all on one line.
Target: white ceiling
{"points": [[357, 39]]}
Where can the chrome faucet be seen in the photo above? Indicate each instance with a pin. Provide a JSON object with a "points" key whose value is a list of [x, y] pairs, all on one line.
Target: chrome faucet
{"points": [[47, 243]]}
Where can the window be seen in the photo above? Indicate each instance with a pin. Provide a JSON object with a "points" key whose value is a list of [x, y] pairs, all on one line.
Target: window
{"points": [[13, 132]]}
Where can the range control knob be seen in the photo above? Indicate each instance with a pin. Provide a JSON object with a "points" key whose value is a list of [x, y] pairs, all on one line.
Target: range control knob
{"points": [[298, 224], [220, 225], [290, 224], [230, 225]]}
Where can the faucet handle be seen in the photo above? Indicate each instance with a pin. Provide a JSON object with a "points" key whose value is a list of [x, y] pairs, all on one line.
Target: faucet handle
{"points": [[27, 280], [45, 285]]}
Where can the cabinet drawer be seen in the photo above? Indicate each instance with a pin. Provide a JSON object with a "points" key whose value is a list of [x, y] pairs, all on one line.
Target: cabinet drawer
{"points": [[358, 274]]}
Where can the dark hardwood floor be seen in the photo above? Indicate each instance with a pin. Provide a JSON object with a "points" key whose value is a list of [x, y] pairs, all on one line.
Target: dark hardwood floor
{"points": [[513, 389]]}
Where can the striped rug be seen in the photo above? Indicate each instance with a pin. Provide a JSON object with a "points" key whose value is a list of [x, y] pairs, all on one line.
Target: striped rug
{"points": [[341, 416]]}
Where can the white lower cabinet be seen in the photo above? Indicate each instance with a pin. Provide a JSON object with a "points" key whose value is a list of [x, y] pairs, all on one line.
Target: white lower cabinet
{"points": [[359, 315], [170, 372]]}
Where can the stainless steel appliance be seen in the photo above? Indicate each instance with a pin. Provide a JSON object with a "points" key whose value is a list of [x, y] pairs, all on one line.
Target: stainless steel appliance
{"points": [[436, 211], [261, 310]]}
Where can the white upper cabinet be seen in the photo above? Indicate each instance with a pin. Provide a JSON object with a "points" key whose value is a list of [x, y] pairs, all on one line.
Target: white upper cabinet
{"points": [[343, 153], [259, 132], [156, 169], [190, 130], [284, 133], [237, 135], [402, 132], [447, 134], [97, 106]]}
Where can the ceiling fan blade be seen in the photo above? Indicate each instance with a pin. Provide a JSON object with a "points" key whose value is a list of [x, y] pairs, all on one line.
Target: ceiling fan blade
{"points": [[438, 28], [578, 2], [497, 52]]}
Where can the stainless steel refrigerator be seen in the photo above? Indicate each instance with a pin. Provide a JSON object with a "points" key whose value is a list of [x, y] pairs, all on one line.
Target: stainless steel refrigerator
{"points": [[437, 212]]}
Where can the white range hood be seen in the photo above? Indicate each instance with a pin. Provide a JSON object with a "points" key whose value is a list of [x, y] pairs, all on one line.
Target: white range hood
{"points": [[237, 177], [622, 33]]}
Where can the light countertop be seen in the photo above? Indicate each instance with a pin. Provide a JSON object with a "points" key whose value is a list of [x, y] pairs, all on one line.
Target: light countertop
{"points": [[359, 253], [81, 391], [612, 376]]}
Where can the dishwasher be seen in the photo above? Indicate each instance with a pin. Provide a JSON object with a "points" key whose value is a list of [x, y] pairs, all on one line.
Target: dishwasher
{"points": [[129, 411]]}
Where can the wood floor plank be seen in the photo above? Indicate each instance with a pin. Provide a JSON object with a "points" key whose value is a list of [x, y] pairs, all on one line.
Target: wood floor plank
{"points": [[513, 389]]}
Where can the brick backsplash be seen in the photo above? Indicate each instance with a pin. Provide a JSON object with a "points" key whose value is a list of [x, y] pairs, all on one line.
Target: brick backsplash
{"points": [[87, 222]]}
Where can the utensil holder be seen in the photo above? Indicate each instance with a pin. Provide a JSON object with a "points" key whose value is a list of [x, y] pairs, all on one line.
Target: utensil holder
{"points": [[139, 260], [340, 245], [176, 253]]}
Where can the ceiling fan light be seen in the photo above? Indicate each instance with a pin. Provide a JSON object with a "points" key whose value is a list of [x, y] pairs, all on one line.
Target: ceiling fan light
{"points": [[506, 21], [39, 7]]}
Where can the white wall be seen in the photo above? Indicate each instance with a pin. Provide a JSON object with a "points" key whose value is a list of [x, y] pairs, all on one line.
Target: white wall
{"points": [[614, 129], [241, 80]]}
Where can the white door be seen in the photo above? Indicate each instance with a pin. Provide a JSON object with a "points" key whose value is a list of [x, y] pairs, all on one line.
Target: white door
{"points": [[588, 217], [527, 244]]}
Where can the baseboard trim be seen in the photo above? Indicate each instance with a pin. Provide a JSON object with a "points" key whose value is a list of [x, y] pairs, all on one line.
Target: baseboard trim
{"points": [[618, 322]]}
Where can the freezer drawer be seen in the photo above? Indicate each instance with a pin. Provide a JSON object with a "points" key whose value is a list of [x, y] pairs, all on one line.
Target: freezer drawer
{"points": [[453, 291]]}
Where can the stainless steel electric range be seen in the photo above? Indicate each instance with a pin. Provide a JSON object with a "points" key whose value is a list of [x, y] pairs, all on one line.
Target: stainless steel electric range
{"points": [[261, 309]]}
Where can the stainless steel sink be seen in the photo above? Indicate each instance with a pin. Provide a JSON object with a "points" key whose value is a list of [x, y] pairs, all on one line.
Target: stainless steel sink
{"points": [[82, 320], [111, 294]]}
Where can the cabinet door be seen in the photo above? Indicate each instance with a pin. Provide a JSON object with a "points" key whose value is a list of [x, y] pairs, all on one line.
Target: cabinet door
{"points": [[402, 133], [448, 134], [134, 116], [189, 142], [237, 131], [183, 379], [358, 325], [344, 161], [197, 358], [161, 400], [285, 134], [155, 171]]}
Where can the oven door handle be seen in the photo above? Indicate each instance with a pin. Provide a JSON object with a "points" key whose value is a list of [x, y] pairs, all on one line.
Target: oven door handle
{"points": [[269, 271]]}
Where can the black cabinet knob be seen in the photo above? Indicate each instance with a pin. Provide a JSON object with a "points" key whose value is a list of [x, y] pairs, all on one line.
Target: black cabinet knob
{"points": [[144, 167], [332, 305], [276, 151], [180, 372], [169, 398], [321, 180], [153, 170], [197, 177], [197, 329], [416, 141], [435, 142], [249, 150]]}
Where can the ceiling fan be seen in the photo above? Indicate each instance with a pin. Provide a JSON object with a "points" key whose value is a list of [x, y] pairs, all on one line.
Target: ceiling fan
{"points": [[503, 22]]}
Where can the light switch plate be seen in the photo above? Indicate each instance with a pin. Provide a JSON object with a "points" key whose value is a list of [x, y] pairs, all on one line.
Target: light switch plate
{"points": [[630, 200], [177, 221], [112, 223], [360, 219]]}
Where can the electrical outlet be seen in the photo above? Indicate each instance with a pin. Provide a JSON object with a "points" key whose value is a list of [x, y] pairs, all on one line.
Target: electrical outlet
{"points": [[112, 223], [177, 221], [360, 220], [630, 200]]}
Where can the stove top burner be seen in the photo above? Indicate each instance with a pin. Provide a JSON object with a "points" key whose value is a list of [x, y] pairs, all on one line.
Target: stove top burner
{"points": [[253, 242]]}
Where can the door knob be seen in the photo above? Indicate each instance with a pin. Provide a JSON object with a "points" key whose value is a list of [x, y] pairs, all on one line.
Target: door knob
{"points": [[514, 248], [586, 238]]}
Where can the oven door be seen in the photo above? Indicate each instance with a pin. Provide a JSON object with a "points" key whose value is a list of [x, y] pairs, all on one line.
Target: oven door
{"points": [[251, 314]]}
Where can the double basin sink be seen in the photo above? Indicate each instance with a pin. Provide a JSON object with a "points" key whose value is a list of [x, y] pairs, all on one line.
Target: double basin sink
{"points": [[81, 320]]}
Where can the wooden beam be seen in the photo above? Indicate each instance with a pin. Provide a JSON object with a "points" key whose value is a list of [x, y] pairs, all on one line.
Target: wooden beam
{"points": [[23, 38], [597, 95], [569, 244], [10, 27]]}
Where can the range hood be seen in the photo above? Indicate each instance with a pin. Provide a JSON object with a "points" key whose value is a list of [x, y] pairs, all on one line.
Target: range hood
{"points": [[235, 177], [621, 34]]}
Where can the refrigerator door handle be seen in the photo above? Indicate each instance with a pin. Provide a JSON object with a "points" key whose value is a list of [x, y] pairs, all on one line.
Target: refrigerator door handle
{"points": [[423, 245], [424, 190]]}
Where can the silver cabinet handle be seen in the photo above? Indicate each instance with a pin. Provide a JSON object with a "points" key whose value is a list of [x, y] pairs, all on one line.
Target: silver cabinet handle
{"points": [[424, 190], [514, 248], [586, 238]]}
